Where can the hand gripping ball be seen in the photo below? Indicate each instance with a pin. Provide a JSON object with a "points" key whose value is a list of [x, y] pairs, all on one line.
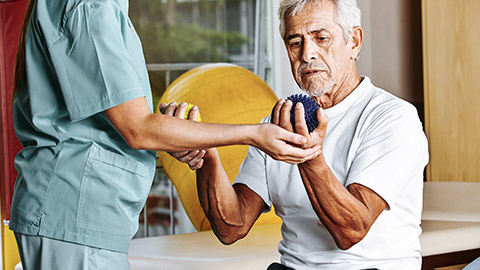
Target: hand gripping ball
{"points": [[187, 111], [310, 107]]}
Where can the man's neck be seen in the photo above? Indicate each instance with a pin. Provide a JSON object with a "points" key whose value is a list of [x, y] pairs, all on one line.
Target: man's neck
{"points": [[339, 91]]}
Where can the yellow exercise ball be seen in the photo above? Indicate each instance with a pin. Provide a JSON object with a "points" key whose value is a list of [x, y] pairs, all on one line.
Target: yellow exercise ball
{"points": [[225, 93]]}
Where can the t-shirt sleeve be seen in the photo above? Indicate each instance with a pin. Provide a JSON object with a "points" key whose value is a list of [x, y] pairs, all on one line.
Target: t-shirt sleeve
{"points": [[393, 152], [94, 61], [252, 172]]}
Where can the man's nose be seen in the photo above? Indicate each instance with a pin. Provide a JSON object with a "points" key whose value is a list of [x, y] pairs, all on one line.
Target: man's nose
{"points": [[309, 52]]}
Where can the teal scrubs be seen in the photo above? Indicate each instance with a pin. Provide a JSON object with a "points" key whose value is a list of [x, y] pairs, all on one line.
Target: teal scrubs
{"points": [[78, 179]]}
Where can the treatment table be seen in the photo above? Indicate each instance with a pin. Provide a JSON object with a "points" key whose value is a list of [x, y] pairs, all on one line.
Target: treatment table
{"points": [[450, 223]]}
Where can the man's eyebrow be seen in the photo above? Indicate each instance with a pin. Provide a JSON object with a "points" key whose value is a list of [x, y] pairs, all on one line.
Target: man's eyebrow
{"points": [[289, 37], [316, 31]]}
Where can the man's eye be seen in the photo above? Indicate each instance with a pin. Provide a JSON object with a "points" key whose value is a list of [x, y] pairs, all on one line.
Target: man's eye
{"points": [[295, 44], [322, 39]]}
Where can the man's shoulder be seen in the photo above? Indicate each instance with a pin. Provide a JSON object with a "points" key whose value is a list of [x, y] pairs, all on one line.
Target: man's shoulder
{"points": [[382, 101], [383, 109]]}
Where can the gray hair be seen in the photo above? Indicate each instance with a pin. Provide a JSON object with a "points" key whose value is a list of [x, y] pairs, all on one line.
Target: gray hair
{"points": [[348, 14]]}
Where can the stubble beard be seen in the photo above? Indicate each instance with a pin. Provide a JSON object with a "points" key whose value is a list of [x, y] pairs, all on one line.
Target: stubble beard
{"points": [[318, 84], [317, 87]]}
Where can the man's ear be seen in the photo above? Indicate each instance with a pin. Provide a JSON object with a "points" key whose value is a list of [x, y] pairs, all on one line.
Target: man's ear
{"points": [[356, 42]]}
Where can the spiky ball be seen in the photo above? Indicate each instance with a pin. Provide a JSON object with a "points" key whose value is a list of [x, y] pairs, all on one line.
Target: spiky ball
{"points": [[187, 111], [310, 107], [189, 107]]}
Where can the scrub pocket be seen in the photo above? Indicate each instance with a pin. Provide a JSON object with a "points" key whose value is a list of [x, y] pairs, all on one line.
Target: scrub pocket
{"points": [[112, 192]]}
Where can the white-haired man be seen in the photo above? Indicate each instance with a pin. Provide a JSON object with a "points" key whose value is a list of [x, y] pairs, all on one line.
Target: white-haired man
{"points": [[358, 204]]}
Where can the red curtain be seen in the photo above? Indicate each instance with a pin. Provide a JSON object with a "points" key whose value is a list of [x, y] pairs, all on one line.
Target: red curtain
{"points": [[11, 17]]}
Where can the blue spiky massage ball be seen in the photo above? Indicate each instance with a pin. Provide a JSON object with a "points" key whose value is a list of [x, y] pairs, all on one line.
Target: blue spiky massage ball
{"points": [[310, 107]]}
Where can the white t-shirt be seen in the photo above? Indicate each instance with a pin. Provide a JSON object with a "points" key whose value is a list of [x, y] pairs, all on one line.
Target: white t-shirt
{"points": [[374, 139]]}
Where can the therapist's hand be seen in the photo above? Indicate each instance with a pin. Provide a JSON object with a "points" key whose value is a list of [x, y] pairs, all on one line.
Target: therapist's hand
{"points": [[194, 159]]}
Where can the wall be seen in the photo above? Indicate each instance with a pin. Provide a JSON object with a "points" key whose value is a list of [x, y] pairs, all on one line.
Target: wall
{"points": [[283, 83], [392, 52], [452, 64]]}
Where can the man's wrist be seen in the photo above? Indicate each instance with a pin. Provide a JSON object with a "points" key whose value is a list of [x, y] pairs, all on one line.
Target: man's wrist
{"points": [[316, 162], [210, 154]]}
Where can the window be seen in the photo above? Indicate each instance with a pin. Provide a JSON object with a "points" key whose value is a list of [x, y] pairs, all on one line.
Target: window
{"points": [[178, 35]]}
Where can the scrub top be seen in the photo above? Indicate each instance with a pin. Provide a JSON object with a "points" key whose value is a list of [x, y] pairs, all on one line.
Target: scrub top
{"points": [[78, 179]]}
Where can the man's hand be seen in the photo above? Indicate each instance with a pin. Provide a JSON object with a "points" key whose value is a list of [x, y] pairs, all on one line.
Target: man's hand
{"points": [[194, 158], [281, 117]]}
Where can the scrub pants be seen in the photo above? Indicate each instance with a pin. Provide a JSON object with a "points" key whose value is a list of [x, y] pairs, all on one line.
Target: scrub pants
{"points": [[475, 265], [41, 253]]}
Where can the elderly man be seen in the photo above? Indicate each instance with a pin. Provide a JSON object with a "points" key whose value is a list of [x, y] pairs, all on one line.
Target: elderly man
{"points": [[358, 204]]}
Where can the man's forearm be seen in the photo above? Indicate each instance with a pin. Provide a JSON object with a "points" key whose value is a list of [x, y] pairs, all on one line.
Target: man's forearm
{"points": [[346, 218], [231, 210], [219, 200]]}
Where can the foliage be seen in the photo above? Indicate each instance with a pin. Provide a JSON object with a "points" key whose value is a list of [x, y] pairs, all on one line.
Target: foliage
{"points": [[184, 31], [185, 43]]}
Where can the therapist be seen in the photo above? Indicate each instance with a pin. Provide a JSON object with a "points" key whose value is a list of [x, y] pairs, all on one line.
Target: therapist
{"points": [[83, 113]]}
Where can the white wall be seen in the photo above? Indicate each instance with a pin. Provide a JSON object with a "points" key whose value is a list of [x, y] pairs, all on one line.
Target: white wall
{"points": [[283, 83], [391, 53]]}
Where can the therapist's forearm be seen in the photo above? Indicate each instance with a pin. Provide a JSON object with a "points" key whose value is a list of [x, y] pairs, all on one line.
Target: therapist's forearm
{"points": [[144, 130], [159, 132]]}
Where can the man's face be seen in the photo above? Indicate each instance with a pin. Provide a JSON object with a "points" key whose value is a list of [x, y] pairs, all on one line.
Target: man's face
{"points": [[319, 55]]}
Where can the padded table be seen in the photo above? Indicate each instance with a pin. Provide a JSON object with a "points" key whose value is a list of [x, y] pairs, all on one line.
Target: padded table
{"points": [[203, 251], [450, 223]]}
